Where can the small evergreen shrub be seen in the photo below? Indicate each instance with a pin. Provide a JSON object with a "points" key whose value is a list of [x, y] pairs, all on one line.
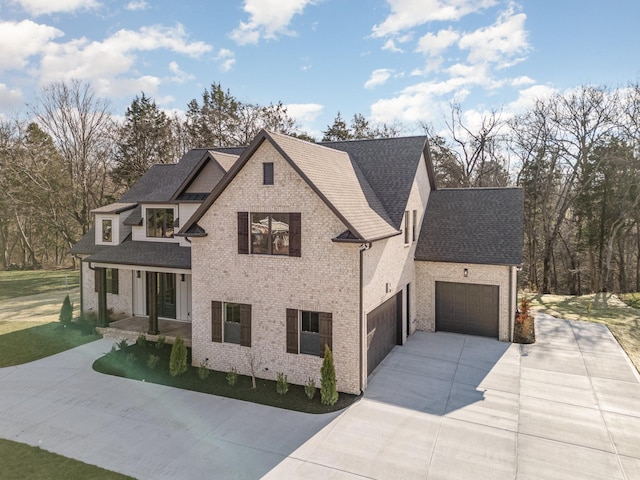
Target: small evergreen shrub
{"points": [[328, 390], [310, 388], [66, 312], [152, 361], [232, 377], [282, 385], [160, 342], [178, 359], [203, 370], [87, 322], [141, 341], [122, 345]]}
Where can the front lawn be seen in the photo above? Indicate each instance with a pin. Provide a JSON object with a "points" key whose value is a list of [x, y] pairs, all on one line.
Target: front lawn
{"points": [[31, 282], [607, 308], [132, 363], [33, 463], [22, 342]]}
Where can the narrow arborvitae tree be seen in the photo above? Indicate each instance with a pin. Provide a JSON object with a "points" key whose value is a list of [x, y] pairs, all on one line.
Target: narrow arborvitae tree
{"points": [[328, 390], [66, 312], [178, 359]]}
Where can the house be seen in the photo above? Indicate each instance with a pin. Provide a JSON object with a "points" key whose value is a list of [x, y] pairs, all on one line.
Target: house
{"points": [[273, 250]]}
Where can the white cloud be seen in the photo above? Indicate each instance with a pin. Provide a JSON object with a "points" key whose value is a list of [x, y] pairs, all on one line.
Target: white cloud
{"points": [[498, 43], [527, 98], [44, 7], [406, 14], [116, 55], [9, 97], [304, 112], [391, 46], [178, 75], [378, 77], [267, 19], [434, 45], [134, 5], [226, 58], [21, 40]]}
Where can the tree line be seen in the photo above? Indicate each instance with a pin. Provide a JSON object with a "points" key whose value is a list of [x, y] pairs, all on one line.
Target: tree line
{"points": [[576, 154]]}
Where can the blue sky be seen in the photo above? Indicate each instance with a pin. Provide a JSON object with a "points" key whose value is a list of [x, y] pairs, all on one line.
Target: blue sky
{"points": [[391, 60]]}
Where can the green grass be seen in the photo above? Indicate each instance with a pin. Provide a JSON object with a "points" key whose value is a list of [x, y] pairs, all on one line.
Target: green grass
{"points": [[24, 461], [22, 342], [132, 364], [631, 299], [20, 283]]}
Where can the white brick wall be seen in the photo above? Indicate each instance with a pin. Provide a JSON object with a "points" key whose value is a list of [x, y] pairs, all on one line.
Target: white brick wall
{"points": [[428, 273], [121, 303], [325, 278]]}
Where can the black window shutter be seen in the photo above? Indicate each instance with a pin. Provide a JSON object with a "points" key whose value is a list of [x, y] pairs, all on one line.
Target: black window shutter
{"points": [[325, 320], [216, 322], [292, 330], [114, 281], [243, 233], [245, 325], [295, 234]]}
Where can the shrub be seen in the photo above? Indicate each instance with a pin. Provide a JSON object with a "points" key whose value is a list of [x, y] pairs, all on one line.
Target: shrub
{"points": [[152, 361], [310, 388], [160, 342], [87, 322], [282, 385], [66, 312], [328, 391], [178, 359], [141, 341], [203, 370], [232, 377], [122, 345]]}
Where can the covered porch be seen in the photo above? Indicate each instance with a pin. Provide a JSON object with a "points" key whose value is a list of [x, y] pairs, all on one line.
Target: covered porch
{"points": [[130, 328]]}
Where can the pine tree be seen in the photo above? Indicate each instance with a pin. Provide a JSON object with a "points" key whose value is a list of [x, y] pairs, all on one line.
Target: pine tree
{"points": [[66, 312], [337, 131], [328, 391]]}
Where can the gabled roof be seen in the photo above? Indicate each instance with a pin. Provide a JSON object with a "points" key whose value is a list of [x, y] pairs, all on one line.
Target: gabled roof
{"points": [[390, 166], [331, 173], [223, 160], [473, 225]]}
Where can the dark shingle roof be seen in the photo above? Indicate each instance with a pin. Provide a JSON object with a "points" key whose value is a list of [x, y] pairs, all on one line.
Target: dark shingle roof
{"points": [[87, 244], [389, 165], [474, 225], [161, 182], [152, 254]]}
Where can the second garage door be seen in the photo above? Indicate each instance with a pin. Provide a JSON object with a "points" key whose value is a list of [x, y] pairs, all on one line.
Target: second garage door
{"points": [[384, 328], [467, 308]]}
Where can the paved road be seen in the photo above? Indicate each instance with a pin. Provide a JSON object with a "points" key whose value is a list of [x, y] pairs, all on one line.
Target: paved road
{"points": [[443, 406]]}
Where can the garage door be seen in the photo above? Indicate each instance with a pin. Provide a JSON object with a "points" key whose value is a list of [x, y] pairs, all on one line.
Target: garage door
{"points": [[384, 328], [467, 308]]}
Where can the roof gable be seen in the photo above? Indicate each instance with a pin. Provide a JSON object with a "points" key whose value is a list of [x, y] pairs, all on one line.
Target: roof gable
{"points": [[331, 173]]}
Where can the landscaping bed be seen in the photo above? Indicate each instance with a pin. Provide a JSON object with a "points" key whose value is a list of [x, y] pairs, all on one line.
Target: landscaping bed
{"points": [[132, 362]]}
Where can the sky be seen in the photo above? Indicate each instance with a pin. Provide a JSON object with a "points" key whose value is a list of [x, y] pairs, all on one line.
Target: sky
{"points": [[389, 60]]}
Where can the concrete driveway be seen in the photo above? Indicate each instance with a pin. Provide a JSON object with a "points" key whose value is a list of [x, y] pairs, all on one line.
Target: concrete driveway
{"points": [[444, 406]]}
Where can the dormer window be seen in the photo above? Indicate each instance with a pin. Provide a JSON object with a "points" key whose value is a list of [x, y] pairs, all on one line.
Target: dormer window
{"points": [[160, 222], [107, 230]]}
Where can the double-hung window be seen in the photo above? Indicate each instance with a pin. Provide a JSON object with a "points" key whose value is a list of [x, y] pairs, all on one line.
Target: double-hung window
{"points": [[308, 332], [107, 230], [111, 276], [269, 233], [231, 323], [160, 222]]}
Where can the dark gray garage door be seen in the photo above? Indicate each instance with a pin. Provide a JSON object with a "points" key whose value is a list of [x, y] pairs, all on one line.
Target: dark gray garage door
{"points": [[467, 308], [384, 329]]}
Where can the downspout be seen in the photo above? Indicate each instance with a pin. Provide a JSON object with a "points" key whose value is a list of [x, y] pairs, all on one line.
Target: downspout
{"points": [[512, 304], [363, 247]]}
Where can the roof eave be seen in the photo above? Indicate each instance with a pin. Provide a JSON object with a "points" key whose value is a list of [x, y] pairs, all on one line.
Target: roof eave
{"points": [[365, 240]]}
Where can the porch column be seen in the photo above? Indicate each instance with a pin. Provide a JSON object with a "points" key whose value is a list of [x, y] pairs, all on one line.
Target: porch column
{"points": [[101, 284], [152, 289]]}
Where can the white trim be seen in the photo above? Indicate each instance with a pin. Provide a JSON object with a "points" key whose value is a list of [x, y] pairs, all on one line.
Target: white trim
{"points": [[143, 268]]}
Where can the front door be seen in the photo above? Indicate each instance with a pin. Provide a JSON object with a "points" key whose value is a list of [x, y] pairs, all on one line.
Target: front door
{"points": [[166, 298]]}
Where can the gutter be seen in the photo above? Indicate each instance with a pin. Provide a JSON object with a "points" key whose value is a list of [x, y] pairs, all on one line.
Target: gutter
{"points": [[363, 247]]}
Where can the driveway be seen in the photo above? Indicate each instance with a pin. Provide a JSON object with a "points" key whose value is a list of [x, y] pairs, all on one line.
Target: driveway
{"points": [[443, 406]]}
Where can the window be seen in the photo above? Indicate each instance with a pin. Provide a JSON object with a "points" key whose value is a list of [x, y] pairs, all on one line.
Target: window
{"points": [[160, 222], [267, 173], [107, 230], [231, 323], [406, 227], [413, 225], [269, 233], [111, 284], [308, 332]]}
